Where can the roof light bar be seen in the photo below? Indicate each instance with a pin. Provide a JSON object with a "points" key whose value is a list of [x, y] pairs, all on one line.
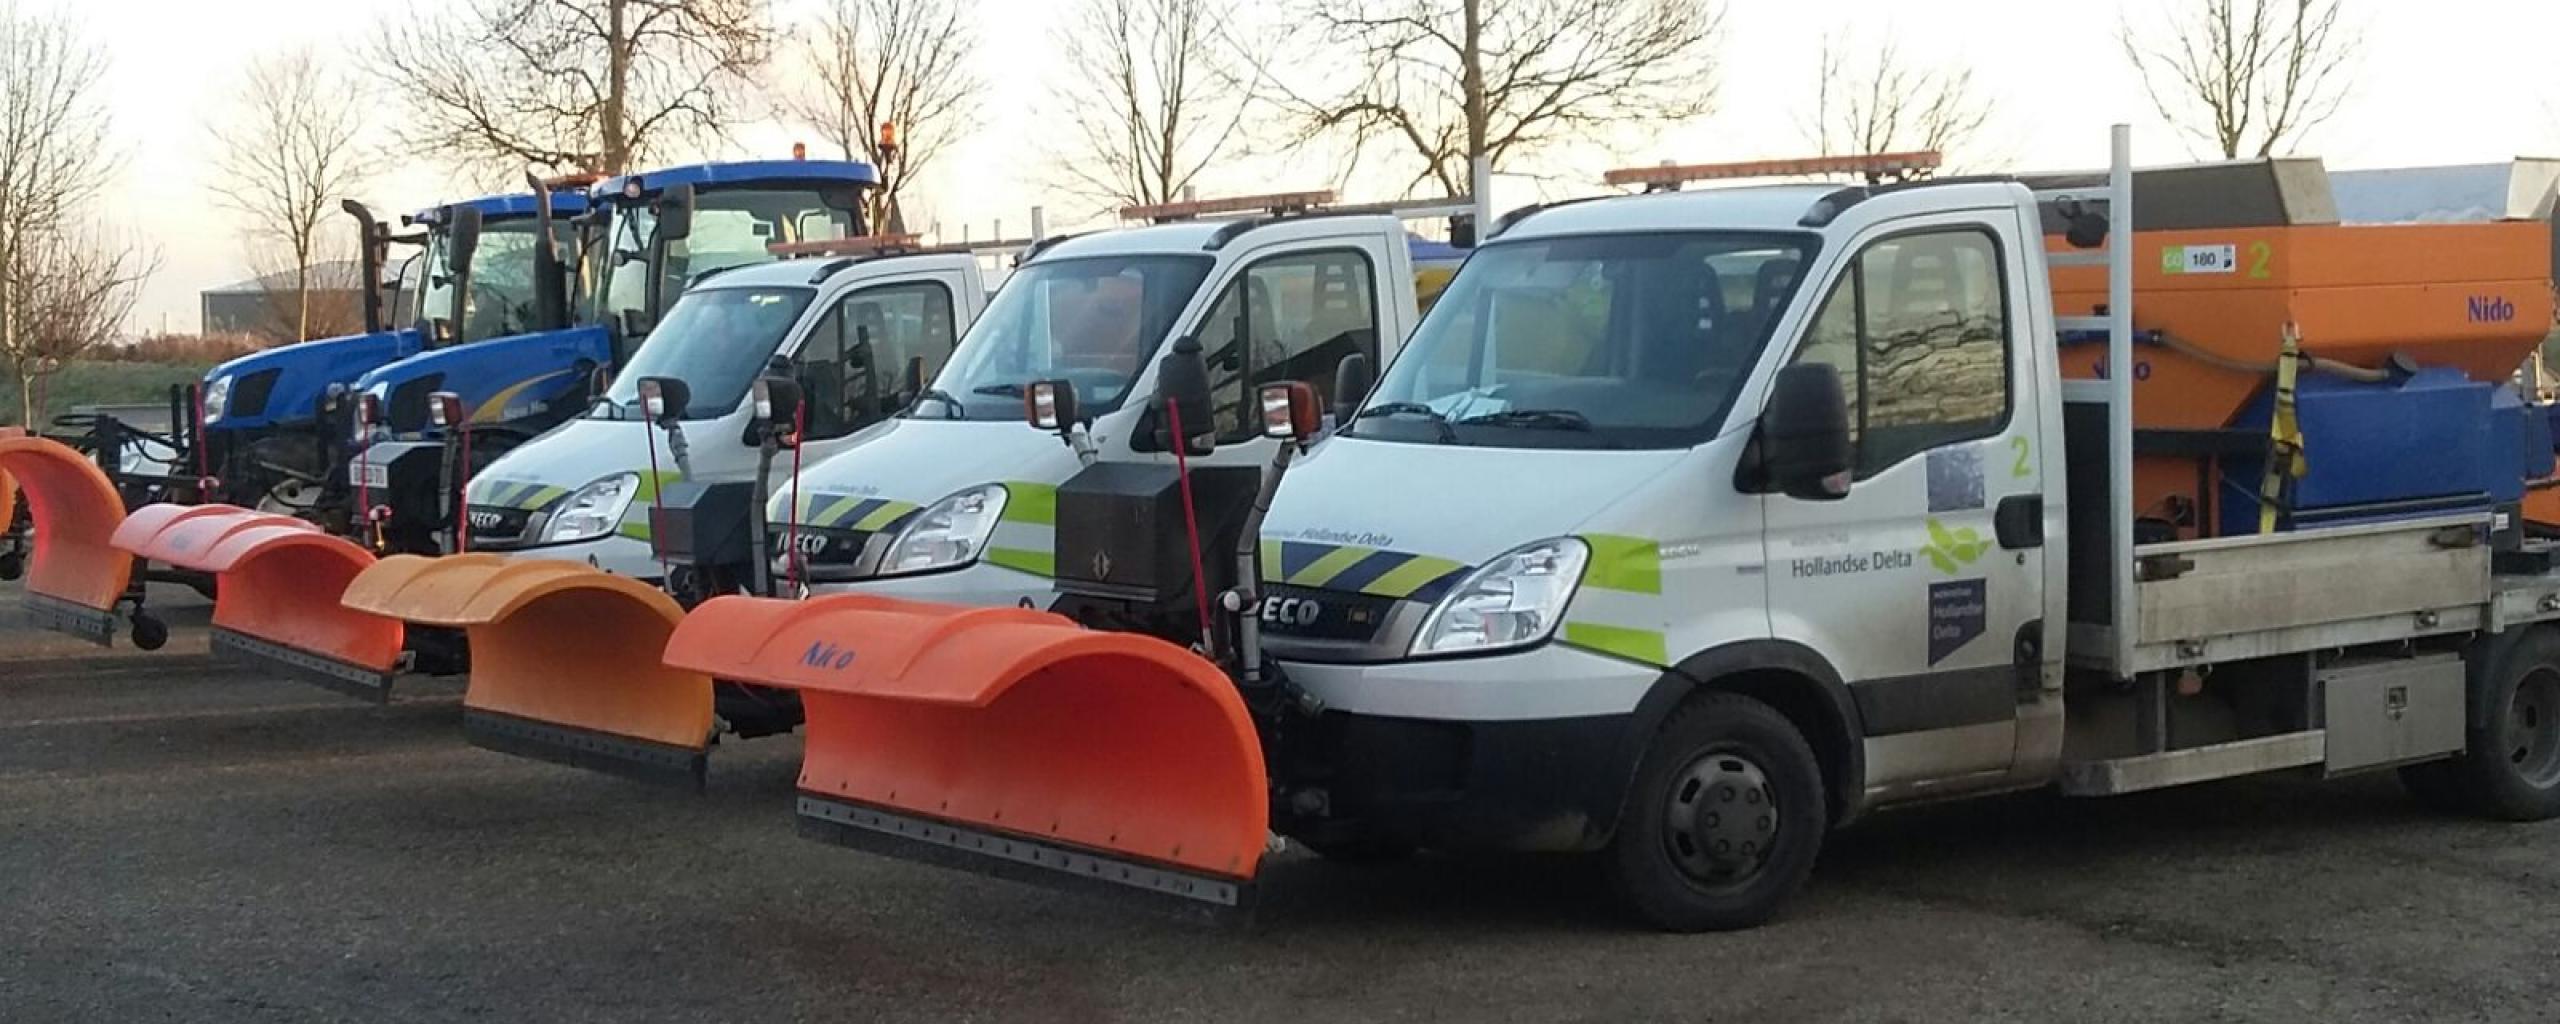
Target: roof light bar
{"points": [[1874, 167], [1276, 202], [867, 245]]}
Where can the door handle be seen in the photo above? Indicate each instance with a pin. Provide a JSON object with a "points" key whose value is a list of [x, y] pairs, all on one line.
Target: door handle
{"points": [[2018, 522]]}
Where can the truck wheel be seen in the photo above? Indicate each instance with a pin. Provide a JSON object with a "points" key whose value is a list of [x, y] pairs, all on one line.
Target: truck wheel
{"points": [[1724, 820], [2511, 769]]}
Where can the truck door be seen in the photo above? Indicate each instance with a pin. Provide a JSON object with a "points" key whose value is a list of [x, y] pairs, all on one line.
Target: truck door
{"points": [[854, 366], [1289, 315], [1907, 585]]}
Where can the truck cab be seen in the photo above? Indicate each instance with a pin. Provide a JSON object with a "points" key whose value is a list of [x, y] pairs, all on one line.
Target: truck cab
{"points": [[951, 500], [645, 237], [852, 330], [270, 419]]}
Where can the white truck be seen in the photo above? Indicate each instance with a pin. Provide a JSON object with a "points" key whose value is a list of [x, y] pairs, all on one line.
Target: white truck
{"points": [[951, 502], [858, 324], [1690, 525]]}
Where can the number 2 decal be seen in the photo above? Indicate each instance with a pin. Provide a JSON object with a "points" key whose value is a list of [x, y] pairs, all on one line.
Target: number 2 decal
{"points": [[2260, 255], [2020, 469]]}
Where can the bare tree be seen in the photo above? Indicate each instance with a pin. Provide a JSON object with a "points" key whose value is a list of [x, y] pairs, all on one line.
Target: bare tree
{"points": [[71, 288], [2247, 76], [52, 118], [1439, 83], [571, 84], [1882, 104], [288, 155], [1150, 98], [904, 63]]}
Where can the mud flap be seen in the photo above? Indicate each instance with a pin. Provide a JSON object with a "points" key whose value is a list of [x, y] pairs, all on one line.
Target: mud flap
{"points": [[1008, 741], [74, 576], [275, 603], [564, 660]]}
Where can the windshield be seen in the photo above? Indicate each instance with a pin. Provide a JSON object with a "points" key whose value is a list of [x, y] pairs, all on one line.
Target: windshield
{"points": [[1607, 341], [730, 228], [501, 303], [1091, 321], [717, 340]]}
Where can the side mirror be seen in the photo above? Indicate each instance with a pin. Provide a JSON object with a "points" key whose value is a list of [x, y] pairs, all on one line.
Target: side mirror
{"points": [[777, 403], [368, 413], [1805, 447], [1352, 379], [599, 381], [462, 237], [1290, 411], [1182, 388], [675, 213], [1051, 405], [663, 399], [444, 409]]}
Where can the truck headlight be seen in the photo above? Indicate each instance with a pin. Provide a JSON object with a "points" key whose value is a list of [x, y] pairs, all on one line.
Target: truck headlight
{"points": [[594, 510], [948, 534], [217, 398], [1513, 601]]}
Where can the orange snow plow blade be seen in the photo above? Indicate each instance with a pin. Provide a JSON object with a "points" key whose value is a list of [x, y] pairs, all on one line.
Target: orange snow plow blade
{"points": [[74, 577], [277, 581], [1007, 740], [564, 660]]}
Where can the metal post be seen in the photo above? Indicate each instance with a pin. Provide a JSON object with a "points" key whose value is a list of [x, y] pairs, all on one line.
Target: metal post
{"points": [[1039, 223], [1480, 183], [2120, 226], [2151, 712]]}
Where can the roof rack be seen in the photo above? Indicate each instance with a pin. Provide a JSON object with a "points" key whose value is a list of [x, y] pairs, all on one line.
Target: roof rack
{"points": [[1402, 209], [1877, 168], [866, 245], [1193, 209]]}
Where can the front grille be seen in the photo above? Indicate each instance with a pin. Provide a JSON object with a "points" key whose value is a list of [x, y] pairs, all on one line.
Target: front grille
{"points": [[822, 550], [493, 525], [1314, 614]]}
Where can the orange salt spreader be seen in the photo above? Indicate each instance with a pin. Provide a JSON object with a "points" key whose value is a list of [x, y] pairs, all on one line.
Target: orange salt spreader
{"points": [[2405, 334]]}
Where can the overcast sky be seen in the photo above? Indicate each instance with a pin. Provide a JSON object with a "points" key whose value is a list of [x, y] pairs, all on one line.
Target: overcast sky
{"points": [[2444, 81]]}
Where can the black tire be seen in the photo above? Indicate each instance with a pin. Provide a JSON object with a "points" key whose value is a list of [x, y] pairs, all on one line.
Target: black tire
{"points": [[1680, 860], [149, 633], [2511, 768], [12, 565]]}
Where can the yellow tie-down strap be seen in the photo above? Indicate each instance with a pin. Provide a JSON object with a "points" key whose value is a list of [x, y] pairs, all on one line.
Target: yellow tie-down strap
{"points": [[2285, 459]]}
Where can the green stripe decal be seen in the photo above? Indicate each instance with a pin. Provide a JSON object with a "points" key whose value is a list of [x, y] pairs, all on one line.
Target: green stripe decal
{"points": [[881, 517], [1271, 561], [827, 515], [545, 495], [1323, 570], [1027, 502], [635, 530], [1644, 645], [1037, 563], [1631, 564], [1403, 580]]}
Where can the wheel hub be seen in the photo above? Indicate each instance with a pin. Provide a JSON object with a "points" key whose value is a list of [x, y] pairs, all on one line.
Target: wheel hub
{"points": [[1722, 818], [2532, 731]]}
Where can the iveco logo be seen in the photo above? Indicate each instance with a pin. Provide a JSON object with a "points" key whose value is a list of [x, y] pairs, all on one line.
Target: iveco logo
{"points": [[810, 544], [486, 519], [1291, 611], [1102, 565]]}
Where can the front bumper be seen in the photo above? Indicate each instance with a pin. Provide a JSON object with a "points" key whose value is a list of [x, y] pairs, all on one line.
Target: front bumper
{"points": [[1526, 751], [978, 586], [613, 553]]}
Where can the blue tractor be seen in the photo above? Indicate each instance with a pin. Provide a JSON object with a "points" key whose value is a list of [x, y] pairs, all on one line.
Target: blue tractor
{"points": [[272, 425], [424, 423]]}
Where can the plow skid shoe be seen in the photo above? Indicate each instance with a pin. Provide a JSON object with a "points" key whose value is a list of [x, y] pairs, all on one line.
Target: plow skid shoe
{"points": [[74, 577], [1007, 741], [564, 660], [277, 584]]}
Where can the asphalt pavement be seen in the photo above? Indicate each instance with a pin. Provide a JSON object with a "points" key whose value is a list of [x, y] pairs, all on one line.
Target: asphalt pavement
{"points": [[181, 841]]}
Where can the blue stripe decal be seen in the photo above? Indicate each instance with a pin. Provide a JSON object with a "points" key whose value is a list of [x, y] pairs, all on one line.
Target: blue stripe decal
{"points": [[860, 509], [1366, 571], [1295, 556], [1432, 592]]}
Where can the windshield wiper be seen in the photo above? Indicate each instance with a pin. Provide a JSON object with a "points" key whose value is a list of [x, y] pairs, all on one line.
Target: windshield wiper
{"points": [[950, 406], [1007, 390], [1532, 419], [608, 403], [1448, 435]]}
